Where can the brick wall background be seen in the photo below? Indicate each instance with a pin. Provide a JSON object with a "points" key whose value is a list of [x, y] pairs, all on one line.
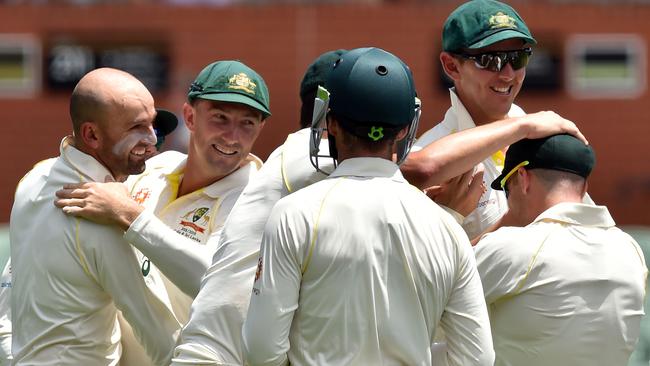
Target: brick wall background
{"points": [[280, 41]]}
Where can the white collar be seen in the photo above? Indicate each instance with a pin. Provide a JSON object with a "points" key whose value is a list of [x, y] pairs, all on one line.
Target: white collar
{"points": [[578, 213], [368, 167], [87, 166]]}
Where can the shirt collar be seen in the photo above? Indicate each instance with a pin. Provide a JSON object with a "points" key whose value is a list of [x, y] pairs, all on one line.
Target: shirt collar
{"points": [[238, 178], [578, 213], [368, 167], [86, 165], [463, 119]]}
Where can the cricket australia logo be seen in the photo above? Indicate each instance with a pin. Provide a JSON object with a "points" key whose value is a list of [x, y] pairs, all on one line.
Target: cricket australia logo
{"points": [[241, 81], [500, 20], [195, 222]]}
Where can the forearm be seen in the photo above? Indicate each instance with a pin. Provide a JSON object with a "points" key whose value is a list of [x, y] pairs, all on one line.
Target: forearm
{"points": [[457, 153], [181, 259]]}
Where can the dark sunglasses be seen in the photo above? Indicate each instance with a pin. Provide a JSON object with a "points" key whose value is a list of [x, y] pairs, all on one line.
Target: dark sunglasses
{"points": [[497, 60]]}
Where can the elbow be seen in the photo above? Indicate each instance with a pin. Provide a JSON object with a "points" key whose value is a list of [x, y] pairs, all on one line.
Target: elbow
{"points": [[421, 170]]}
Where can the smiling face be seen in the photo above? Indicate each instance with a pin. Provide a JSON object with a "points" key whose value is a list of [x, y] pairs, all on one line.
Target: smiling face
{"points": [[222, 135], [488, 95], [127, 136]]}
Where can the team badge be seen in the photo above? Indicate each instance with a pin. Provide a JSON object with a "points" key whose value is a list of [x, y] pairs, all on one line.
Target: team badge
{"points": [[142, 195], [195, 222], [500, 20], [241, 81], [376, 133]]}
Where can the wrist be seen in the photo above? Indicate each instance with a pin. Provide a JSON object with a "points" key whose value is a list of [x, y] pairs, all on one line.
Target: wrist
{"points": [[523, 128], [129, 214]]}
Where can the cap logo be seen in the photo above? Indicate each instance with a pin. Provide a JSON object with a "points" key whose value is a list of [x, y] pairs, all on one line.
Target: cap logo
{"points": [[501, 20], [376, 133], [241, 81]]}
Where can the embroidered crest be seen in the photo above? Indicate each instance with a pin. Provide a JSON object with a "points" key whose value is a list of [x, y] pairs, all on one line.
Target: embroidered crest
{"points": [[241, 81], [193, 227], [500, 20]]}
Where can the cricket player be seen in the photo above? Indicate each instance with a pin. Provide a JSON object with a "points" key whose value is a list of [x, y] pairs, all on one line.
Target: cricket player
{"points": [[567, 286], [179, 204], [361, 268], [71, 276], [486, 47], [163, 125], [213, 334]]}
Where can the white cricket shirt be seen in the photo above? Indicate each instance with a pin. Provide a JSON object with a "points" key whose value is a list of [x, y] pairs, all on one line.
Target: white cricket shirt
{"points": [[492, 204], [213, 334], [568, 289], [180, 234], [360, 269], [69, 277]]}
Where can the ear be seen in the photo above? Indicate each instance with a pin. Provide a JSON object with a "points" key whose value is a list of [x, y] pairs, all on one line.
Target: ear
{"points": [[402, 133], [450, 65], [525, 179], [188, 115], [332, 125], [90, 134]]}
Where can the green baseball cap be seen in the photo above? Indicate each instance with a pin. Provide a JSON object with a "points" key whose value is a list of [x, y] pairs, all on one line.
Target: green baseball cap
{"points": [[234, 82], [558, 152], [480, 23]]}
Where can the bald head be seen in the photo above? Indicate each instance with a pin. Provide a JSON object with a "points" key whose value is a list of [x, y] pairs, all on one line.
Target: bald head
{"points": [[112, 115], [102, 92]]}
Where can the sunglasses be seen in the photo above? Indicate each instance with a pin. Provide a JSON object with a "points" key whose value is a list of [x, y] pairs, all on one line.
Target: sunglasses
{"points": [[497, 60]]}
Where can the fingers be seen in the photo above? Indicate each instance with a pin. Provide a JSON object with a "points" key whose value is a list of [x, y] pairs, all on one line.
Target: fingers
{"points": [[72, 210], [549, 123], [477, 186], [465, 178], [77, 185], [433, 191], [73, 192], [580, 136], [571, 128], [69, 202]]}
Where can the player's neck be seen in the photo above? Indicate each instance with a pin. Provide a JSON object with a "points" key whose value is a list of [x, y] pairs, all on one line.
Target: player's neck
{"points": [[476, 112], [195, 178]]}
